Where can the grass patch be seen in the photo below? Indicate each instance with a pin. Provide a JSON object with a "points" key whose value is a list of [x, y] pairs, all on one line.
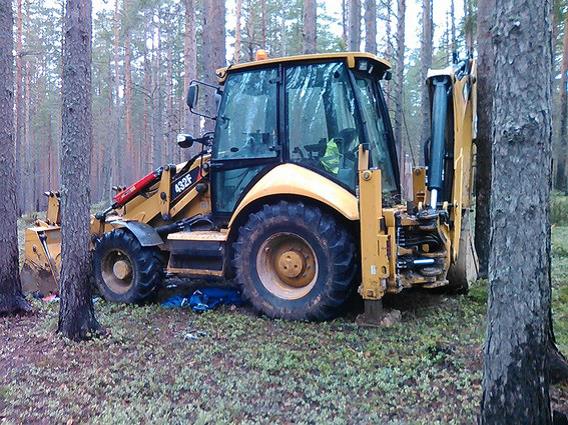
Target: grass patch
{"points": [[248, 369], [559, 210]]}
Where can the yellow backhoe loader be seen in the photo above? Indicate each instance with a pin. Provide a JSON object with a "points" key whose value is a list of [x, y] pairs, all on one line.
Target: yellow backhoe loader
{"points": [[295, 196]]}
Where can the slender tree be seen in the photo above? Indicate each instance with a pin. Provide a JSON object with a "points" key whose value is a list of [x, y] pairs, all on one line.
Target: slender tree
{"points": [[425, 65], [309, 33], [485, 20], [76, 314], [516, 380], [354, 25], [560, 180], [128, 95], [214, 47], [190, 62], [399, 71], [19, 106], [238, 14], [11, 298], [371, 26], [344, 22]]}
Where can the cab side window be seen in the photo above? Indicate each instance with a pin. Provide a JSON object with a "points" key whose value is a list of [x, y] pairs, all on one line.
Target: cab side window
{"points": [[247, 119]]}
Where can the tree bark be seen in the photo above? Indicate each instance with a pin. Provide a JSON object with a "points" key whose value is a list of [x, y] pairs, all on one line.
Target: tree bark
{"points": [[309, 33], [190, 63], [354, 25], [454, 41], [76, 315], [238, 13], [399, 73], [11, 298], [129, 163], [158, 128], [371, 26], [469, 24], [344, 22], [516, 380], [117, 171], [560, 180], [214, 50], [425, 65], [485, 81], [19, 106], [263, 23]]}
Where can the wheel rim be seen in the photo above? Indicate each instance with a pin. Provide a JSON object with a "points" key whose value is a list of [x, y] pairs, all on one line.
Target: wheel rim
{"points": [[287, 266], [117, 271]]}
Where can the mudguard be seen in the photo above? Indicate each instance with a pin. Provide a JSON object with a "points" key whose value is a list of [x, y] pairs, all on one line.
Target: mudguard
{"points": [[144, 233], [291, 179]]}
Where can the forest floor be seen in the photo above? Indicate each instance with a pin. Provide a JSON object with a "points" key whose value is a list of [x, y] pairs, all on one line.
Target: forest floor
{"points": [[232, 366]]}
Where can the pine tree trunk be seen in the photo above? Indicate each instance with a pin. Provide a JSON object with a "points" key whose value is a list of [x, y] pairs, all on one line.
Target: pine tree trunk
{"points": [[485, 20], [354, 25], [238, 13], [516, 382], [117, 171], [399, 73], [309, 32], [11, 298], [170, 107], [344, 22], [76, 315], [26, 136], [129, 162], [190, 63], [19, 106], [263, 23], [560, 180], [214, 50], [146, 113], [371, 26], [388, 32], [453, 24], [425, 65], [158, 126]]}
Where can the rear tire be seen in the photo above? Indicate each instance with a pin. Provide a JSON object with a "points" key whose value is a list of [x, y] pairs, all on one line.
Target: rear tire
{"points": [[295, 262], [124, 270]]}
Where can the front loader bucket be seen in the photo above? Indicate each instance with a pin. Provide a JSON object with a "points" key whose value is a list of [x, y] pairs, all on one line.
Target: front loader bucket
{"points": [[42, 262], [37, 280]]}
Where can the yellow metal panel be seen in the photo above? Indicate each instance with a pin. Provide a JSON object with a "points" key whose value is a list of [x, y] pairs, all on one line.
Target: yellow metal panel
{"points": [[349, 57], [374, 249], [290, 179], [464, 98]]}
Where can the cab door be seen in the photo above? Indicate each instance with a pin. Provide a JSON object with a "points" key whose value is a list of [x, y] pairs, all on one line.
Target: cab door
{"points": [[246, 141]]}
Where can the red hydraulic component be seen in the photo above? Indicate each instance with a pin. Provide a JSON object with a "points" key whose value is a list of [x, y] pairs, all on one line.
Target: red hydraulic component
{"points": [[131, 191]]}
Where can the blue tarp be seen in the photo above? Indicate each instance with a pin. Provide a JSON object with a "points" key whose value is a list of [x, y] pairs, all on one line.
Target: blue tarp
{"points": [[205, 299]]}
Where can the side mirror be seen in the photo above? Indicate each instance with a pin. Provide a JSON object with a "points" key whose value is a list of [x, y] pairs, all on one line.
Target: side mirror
{"points": [[192, 96], [387, 76], [203, 106], [184, 140]]}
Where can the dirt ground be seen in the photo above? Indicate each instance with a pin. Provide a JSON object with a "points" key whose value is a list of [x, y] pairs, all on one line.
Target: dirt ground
{"points": [[231, 366]]}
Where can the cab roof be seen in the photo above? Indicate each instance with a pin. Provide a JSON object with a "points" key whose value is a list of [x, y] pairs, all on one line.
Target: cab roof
{"points": [[349, 57]]}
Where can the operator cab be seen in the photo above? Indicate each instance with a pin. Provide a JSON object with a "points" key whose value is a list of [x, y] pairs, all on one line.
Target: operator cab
{"points": [[314, 111]]}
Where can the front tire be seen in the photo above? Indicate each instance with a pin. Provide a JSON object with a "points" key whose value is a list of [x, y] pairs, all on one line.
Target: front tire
{"points": [[294, 261], [124, 270]]}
